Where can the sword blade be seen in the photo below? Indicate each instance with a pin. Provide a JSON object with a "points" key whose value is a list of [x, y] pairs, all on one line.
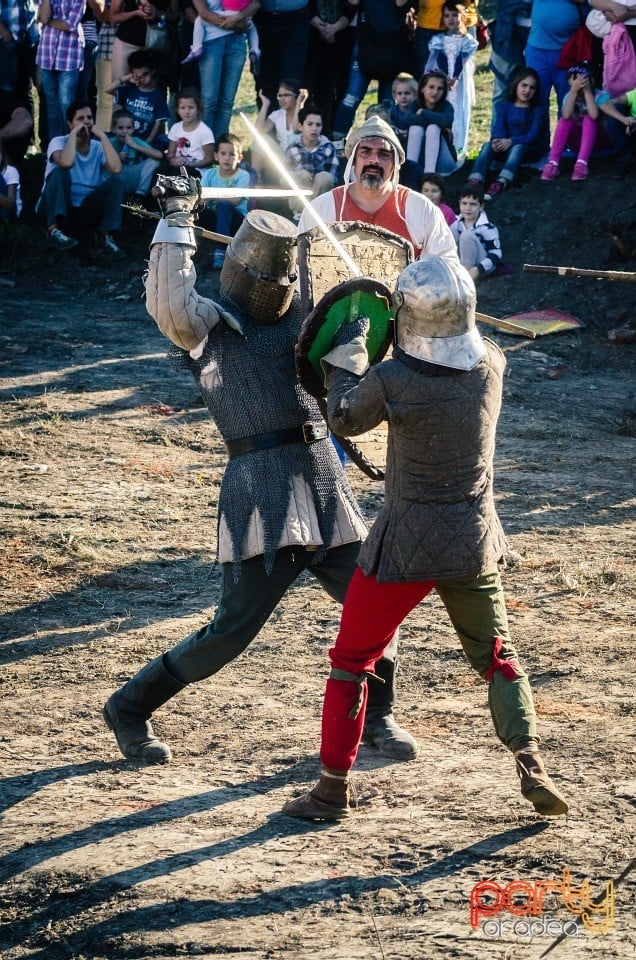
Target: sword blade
{"points": [[232, 193], [200, 231]]}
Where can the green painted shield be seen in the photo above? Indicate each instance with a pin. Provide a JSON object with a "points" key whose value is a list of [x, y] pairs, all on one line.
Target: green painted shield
{"points": [[360, 297]]}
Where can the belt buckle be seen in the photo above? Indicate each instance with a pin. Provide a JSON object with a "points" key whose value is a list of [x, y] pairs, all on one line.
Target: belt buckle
{"points": [[314, 431]]}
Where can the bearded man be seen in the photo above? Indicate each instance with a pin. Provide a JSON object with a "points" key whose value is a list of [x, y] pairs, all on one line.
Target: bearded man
{"points": [[374, 156], [285, 504]]}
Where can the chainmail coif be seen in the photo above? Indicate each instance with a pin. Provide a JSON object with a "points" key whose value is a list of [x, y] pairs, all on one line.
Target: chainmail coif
{"points": [[249, 386]]}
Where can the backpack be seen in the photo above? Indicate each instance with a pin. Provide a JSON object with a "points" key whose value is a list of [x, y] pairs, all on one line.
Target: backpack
{"points": [[619, 65]]}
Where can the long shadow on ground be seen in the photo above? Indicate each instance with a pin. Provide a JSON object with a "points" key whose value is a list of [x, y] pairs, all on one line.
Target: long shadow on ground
{"points": [[281, 900]]}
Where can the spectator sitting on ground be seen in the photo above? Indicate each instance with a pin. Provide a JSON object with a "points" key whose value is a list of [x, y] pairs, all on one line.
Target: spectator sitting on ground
{"points": [[430, 138], [138, 159], [621, 126], [16, 126], [404, 108], [375, 110], [434, 187], [282, 124], [404, 91], [10, 202], [515, 135], [137, 92], [477, 239], [75, 190], [578, 121], [225, 216], [190, 140], [313, 160]]}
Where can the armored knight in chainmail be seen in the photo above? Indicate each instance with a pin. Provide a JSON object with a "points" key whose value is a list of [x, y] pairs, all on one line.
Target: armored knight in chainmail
{"points": [[285, 504]]}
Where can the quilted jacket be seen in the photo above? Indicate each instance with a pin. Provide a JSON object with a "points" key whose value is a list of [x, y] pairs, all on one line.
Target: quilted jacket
{"points": [[438, 520]]}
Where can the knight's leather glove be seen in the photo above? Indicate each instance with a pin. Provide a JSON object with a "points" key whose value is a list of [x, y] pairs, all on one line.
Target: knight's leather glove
{"points": [[178, 198]]}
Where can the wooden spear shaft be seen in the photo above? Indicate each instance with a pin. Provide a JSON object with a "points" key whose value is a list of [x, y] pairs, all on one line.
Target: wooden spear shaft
{"points": [[580, 272], [505, 325]]}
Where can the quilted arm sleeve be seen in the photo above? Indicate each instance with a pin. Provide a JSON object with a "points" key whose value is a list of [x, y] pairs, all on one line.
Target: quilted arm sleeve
{"points": [[354, 404], [171, 300]]}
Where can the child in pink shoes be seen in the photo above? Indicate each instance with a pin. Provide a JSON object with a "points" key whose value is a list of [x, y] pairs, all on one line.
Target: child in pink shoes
{"points": [[578, 121]]}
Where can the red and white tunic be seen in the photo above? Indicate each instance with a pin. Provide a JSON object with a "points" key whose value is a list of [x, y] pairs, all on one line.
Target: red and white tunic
{"points": [[405, 212]]}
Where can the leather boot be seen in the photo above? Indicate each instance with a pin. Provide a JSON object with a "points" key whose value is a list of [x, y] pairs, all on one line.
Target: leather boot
{"points": [[127, 712], [329, 800], [381, 730], [536, 785]]}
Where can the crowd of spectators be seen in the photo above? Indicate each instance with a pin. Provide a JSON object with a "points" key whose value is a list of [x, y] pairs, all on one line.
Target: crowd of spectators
{"points": [[129, 88]]}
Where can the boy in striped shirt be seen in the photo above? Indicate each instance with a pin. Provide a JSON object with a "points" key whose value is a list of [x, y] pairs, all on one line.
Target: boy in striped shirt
{"points": [[476, 237], [312, 159]]}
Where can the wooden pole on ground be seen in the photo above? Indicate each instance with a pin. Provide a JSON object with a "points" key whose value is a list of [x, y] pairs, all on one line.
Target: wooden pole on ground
{"points": [[626, 277], [506, 326]]}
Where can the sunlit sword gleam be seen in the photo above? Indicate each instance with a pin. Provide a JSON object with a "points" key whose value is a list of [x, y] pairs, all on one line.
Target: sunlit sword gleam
{"points": [[231, 193], [301, 194]]}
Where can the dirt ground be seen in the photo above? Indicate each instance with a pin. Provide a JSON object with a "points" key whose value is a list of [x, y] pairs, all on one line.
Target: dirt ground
{"points": [[109, 477]]}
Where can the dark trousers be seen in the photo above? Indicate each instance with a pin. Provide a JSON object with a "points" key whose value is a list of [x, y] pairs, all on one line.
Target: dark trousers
{"points": [[224, 219], [283, 39], [17, 75], [624, 146], [328, 85], [101, 208], [246, 604]]}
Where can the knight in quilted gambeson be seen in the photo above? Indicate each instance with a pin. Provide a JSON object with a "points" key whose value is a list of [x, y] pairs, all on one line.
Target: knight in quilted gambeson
{"points": [[438, 529], [285, 504]]}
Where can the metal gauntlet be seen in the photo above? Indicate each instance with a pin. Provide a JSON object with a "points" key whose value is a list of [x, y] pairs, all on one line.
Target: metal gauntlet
{"points": [[178, 198]]}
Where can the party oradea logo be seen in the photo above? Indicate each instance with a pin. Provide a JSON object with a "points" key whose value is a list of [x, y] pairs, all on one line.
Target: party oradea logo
{"points": [[522, 908]]}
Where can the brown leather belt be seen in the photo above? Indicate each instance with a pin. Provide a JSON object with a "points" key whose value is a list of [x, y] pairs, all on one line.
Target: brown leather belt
{"points": [[306, 433]]}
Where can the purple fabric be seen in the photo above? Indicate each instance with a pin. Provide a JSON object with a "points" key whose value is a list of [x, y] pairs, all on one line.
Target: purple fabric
{"points": [[60, 49]]}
